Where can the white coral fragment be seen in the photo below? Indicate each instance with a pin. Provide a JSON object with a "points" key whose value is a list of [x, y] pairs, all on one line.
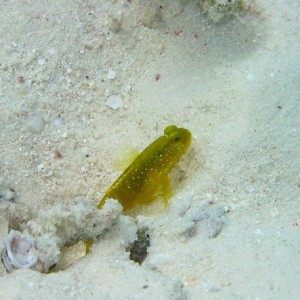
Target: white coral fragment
{"points": [[65, 224], [218, 10], [190, 216]]}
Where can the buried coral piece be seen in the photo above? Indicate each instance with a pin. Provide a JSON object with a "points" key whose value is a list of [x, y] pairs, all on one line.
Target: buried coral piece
{"points": [[62, 224], [219, 10], [138, 249]]}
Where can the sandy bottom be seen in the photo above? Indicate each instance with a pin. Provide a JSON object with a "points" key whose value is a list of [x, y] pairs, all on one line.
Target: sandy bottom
{"points": [[231, 230]]}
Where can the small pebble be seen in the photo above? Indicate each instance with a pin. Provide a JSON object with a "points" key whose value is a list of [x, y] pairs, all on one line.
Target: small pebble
{"points": [[36, 123], [111, 74], [41, 62], [215, 289], [40, 167], [8, 195], [28, 83], [58, 121], [52, 51], [115, 102], [251, 77]]}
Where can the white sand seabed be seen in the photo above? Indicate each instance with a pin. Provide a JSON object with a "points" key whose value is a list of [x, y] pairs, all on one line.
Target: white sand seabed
{"points": [[234, 85]]}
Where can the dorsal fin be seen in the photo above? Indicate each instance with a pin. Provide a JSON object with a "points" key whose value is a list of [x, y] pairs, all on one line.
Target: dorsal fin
{"points": [[125, 157]]}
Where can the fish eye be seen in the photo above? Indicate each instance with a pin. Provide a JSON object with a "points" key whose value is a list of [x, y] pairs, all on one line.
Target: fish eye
{"points": [[176, 138]]}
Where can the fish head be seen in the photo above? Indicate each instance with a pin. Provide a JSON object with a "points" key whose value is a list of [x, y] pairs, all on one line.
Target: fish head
{"points": [[179, 139]]}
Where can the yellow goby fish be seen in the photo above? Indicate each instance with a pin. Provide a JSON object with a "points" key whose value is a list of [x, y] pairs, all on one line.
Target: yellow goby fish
{"points": [[147, 177]]}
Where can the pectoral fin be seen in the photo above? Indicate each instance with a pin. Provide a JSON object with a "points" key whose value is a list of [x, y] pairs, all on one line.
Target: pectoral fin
{"points": [[165, 189]]}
